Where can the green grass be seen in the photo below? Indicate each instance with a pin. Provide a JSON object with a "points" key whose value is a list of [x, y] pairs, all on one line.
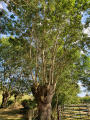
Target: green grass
{"points": [[0, 99], [11, 114], [19, 99]]}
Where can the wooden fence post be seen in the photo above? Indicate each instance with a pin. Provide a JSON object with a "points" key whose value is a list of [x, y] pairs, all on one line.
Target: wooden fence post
{"points": [[79, 113], [58, 111], [29, 114], [88, 109]]}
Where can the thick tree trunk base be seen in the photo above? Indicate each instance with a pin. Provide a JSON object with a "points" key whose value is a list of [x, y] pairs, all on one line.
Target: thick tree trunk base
{"points": [[45, 111], [43, 95]]}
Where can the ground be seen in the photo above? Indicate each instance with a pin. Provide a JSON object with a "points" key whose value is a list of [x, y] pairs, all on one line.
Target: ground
{"points": [[11, 114]]}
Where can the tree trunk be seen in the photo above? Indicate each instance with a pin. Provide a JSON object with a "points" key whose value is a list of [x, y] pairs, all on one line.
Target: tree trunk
{"points": [[45, 111], [5, 99], [43, 95], [15, 96]]}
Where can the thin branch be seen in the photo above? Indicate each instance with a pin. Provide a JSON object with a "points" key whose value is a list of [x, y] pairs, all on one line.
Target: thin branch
{"points": [[53, 59], [36, 61], [19, 4], [50, 76], [33, 77]]}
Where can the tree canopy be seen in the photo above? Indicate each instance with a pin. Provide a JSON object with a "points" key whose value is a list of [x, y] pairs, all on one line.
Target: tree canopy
{"points": [[53, 30], [49, 37]]}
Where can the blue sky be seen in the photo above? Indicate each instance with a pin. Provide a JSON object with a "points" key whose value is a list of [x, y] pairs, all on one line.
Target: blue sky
{"points": [[83, 90]]}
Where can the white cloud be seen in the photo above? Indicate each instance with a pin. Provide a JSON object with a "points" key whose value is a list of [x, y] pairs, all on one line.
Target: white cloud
{"points": [[3, 35], [82, 89], [1, 5], [81, 52], [87, 30], [80, 84]]}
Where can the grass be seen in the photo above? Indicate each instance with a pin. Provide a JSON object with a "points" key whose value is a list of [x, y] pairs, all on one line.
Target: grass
{"points": [[11, 114], [0, 99]]}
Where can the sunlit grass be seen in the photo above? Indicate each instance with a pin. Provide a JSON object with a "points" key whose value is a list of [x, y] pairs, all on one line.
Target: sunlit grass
{"points": [[0, 99], [19, 99]]}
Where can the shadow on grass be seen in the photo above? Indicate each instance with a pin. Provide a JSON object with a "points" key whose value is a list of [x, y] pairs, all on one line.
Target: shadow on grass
{"points": [[11, 114]]}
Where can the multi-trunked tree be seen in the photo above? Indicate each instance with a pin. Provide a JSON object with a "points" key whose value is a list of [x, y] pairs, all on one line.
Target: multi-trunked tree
{"points": [[54, 35]]}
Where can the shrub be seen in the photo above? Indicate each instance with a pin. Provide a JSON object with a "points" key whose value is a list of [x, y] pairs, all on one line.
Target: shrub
{"points": [[29, 104], [85, 99], [9, 102]]}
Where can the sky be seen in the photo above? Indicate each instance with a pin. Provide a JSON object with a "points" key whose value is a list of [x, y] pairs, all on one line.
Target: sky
{"points": [[83, 90], [1, 5], [87, 31]]}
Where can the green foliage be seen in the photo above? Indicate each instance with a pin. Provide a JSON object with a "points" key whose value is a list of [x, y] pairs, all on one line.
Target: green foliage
{"points": [[9, 102], [14, 92], [0, 98], [66, 94], [55, 28], [67, 87], [29, 104], [85, 99], [39, 25], [84, 70], [11, 56]]}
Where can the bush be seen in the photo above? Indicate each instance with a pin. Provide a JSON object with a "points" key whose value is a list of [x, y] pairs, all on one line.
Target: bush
{"points": [[85, 99], [9, 102], [29, 104]]}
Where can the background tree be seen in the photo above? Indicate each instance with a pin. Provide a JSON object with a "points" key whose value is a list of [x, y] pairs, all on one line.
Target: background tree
{"points": [[85, 53], [11, 73], [85, 67], [67, 82], [6, 69]]}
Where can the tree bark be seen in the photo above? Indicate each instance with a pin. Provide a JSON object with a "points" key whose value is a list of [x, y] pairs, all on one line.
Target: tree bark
{"points": [[15, 96], [45, 111], [5, 99], [43, 95]]}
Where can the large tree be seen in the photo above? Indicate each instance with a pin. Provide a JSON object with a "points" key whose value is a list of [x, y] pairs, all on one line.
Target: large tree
{"points": [[53, 31]]}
